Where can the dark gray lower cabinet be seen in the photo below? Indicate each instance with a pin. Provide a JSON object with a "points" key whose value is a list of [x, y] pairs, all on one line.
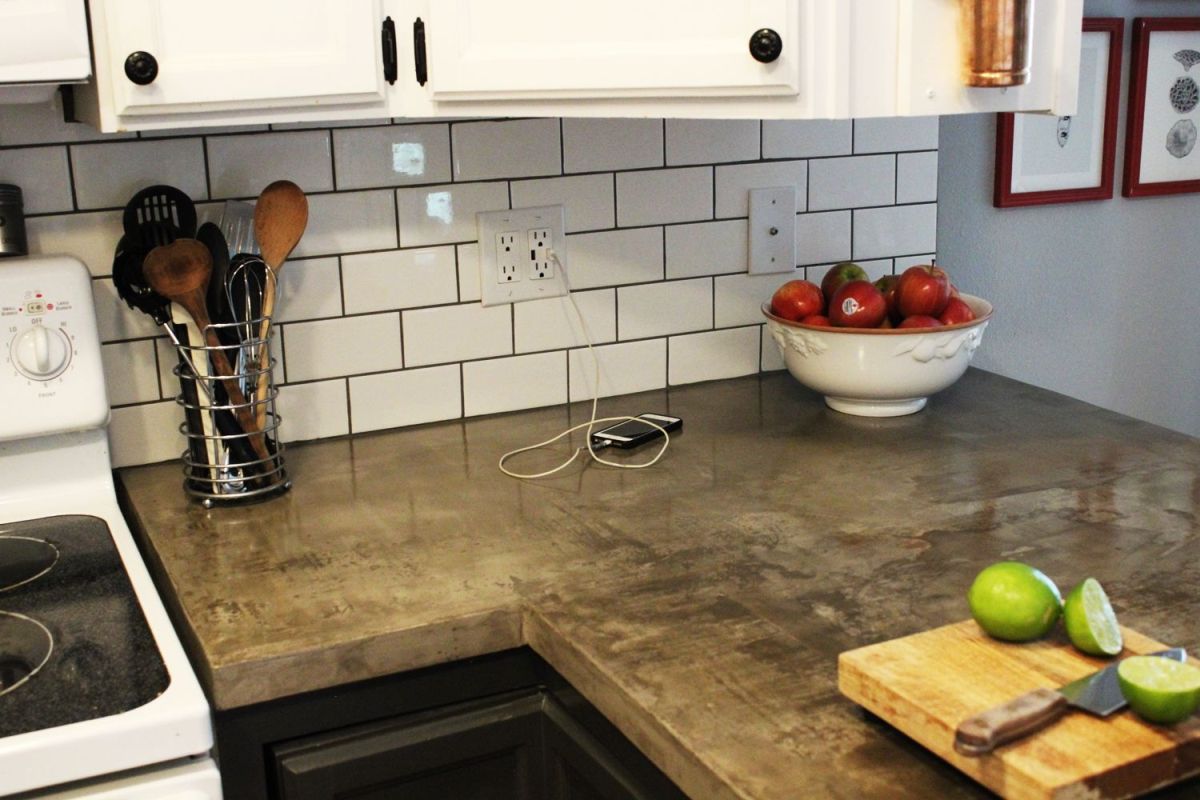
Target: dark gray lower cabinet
{"points": [[505, 727]]}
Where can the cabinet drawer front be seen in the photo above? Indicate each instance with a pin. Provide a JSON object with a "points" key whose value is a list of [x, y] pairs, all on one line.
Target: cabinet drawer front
{"points": [[43, 41], [223, 54], [487, 50]]}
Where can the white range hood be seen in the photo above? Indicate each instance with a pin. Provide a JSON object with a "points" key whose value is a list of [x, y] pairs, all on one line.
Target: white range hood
{"points": [[42, 43]]}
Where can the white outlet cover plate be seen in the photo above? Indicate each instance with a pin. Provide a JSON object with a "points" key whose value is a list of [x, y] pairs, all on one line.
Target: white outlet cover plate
{"points": [[772, 210], [521, 221]]}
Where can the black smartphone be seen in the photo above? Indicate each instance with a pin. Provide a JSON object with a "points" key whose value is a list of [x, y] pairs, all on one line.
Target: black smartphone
{"points": [[635, 432]]}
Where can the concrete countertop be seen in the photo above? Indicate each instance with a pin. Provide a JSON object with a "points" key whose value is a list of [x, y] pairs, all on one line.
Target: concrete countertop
{"points": [[700, 604]]}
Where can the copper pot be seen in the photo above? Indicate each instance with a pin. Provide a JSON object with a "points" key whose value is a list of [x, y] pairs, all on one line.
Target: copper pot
{"points": [[996, 41]]}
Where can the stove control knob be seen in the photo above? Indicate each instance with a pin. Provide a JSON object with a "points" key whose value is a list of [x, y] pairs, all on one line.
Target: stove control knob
{"points": [[41, 353]]}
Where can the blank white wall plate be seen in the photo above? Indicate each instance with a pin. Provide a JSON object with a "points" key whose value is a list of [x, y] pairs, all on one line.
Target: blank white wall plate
{"points": [[773, 230]]}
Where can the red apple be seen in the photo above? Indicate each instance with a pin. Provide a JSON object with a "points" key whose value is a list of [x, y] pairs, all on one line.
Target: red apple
{"points": [[922, 290], [858, 304], [796, 300], [887, 285], [920, 321], [956, 311], [819, 320], [840, 274]]}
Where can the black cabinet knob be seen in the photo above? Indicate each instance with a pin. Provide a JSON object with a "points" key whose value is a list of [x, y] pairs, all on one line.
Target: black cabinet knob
{"points": [[765, 45], [141, 68]]}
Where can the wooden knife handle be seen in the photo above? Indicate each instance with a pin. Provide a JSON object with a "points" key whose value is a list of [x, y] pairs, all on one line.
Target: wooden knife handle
{"points": [[1015, 719]]}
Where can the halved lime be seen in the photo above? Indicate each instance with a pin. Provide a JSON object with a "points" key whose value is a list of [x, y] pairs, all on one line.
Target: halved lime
{"points": [[1014, 601], [1091, 623], [1159, 689]]}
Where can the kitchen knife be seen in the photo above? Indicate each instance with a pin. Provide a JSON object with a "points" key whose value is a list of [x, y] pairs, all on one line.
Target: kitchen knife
{"points": [[1098, 694]]}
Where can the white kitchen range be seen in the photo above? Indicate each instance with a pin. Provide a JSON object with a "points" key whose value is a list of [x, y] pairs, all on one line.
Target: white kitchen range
{"points": [[97, 699]]}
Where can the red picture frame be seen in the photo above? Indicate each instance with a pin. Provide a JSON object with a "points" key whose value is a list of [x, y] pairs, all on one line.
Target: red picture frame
{"points": [[1134, 185], [1004, 197]]}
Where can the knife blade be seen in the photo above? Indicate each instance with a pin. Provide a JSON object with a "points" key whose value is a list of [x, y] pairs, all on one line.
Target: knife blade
{"points": [[1098, 693]]}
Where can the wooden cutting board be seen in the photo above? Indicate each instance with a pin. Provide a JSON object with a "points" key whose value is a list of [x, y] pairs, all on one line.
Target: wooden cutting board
{"points": [[925, 684]]}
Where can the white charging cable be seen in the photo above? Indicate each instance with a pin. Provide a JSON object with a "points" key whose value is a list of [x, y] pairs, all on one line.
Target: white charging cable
{"points": [[591, 423]]}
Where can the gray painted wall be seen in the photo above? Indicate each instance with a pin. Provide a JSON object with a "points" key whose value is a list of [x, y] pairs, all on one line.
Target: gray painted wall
{"points": [[1099, 300]]}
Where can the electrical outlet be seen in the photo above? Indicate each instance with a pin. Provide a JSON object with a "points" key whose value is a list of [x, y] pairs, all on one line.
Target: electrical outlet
{"points": [[526, 272]]}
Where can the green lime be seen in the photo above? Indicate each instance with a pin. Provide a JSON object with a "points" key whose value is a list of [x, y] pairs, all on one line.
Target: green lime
{"points": [[1159, 689], [1091, 623], [1014, 601]]}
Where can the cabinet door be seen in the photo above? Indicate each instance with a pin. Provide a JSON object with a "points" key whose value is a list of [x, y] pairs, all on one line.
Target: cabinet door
{"points": [[232, 54], [542, 49]]}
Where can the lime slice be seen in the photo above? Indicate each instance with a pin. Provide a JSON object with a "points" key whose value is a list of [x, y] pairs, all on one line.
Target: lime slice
{"points": [[1159, 689], [1014, 601], [1091, 623]]}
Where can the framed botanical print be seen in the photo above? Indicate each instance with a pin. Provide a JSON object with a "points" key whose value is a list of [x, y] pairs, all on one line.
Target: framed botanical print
{"points": [[1161, 156], [1042, 159]]}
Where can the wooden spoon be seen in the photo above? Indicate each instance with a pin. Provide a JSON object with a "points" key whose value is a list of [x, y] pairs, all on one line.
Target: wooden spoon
{"points": [[180, 272], [280, 217]]}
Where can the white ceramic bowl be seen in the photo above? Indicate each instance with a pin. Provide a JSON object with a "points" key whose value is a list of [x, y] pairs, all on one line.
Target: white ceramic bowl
{"points": [[878, 373]]}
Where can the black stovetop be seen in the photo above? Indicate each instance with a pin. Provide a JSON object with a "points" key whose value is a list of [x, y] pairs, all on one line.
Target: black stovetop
{"points": [[104, 660]]}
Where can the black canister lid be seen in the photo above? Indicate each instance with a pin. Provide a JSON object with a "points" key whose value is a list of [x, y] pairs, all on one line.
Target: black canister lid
{"points": [[10, 194]]}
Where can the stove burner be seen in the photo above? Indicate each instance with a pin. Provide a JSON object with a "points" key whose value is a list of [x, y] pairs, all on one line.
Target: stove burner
{"points": [[23, 559], [25, 647]]}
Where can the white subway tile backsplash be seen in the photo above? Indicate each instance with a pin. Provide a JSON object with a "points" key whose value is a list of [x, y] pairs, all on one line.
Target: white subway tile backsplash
{"points": [[894, 134], [895, 231], [739, 298], [552, 324], [44, 123], [852, 182], [599, 145], [735, 182], [312, 411], [92, 238], [625, 368], [391, 155], [468, 272], [660, 309], [130, 372], [347, 346], [411, 397], [823, 237], [456, 333], [587, 200], [394, 279], [904, 263], [656, 197], [916, 177], [114, 319], [713, 355], [243, 165], [107, 175], [511, 384], [43, 176], [348, 222], [446, 214], [807, 138], [707, 248], [710, 141], [506, 149], [309, 289], [613, 258], [145, 434]]}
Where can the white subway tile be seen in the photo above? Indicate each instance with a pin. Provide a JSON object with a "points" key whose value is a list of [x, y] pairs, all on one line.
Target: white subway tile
{"points": [[772, 359], [391, 155], [130, 372], [597, 145], [510, 384], [851, 182], [658, 309], [587, 199], [107, 175], [711, 141], [916, 177], [309, 288], [346, 346], [348, 222], [145, 434], [468, 272], [735, 182], [807, 138], [904, 263], [242, 166], [551, 324], [446, 214], [114, 319], [895, 231], [92, 238], [399, 279], [42, 174], [411, 397], [739, 298], [655, 197], [823, 237], [888, 134], [713, 355], [313, 411], [625, 368], [875, 270], [43, 123], [611, 258], [506, 149], [456, 333], [706, 248]]}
